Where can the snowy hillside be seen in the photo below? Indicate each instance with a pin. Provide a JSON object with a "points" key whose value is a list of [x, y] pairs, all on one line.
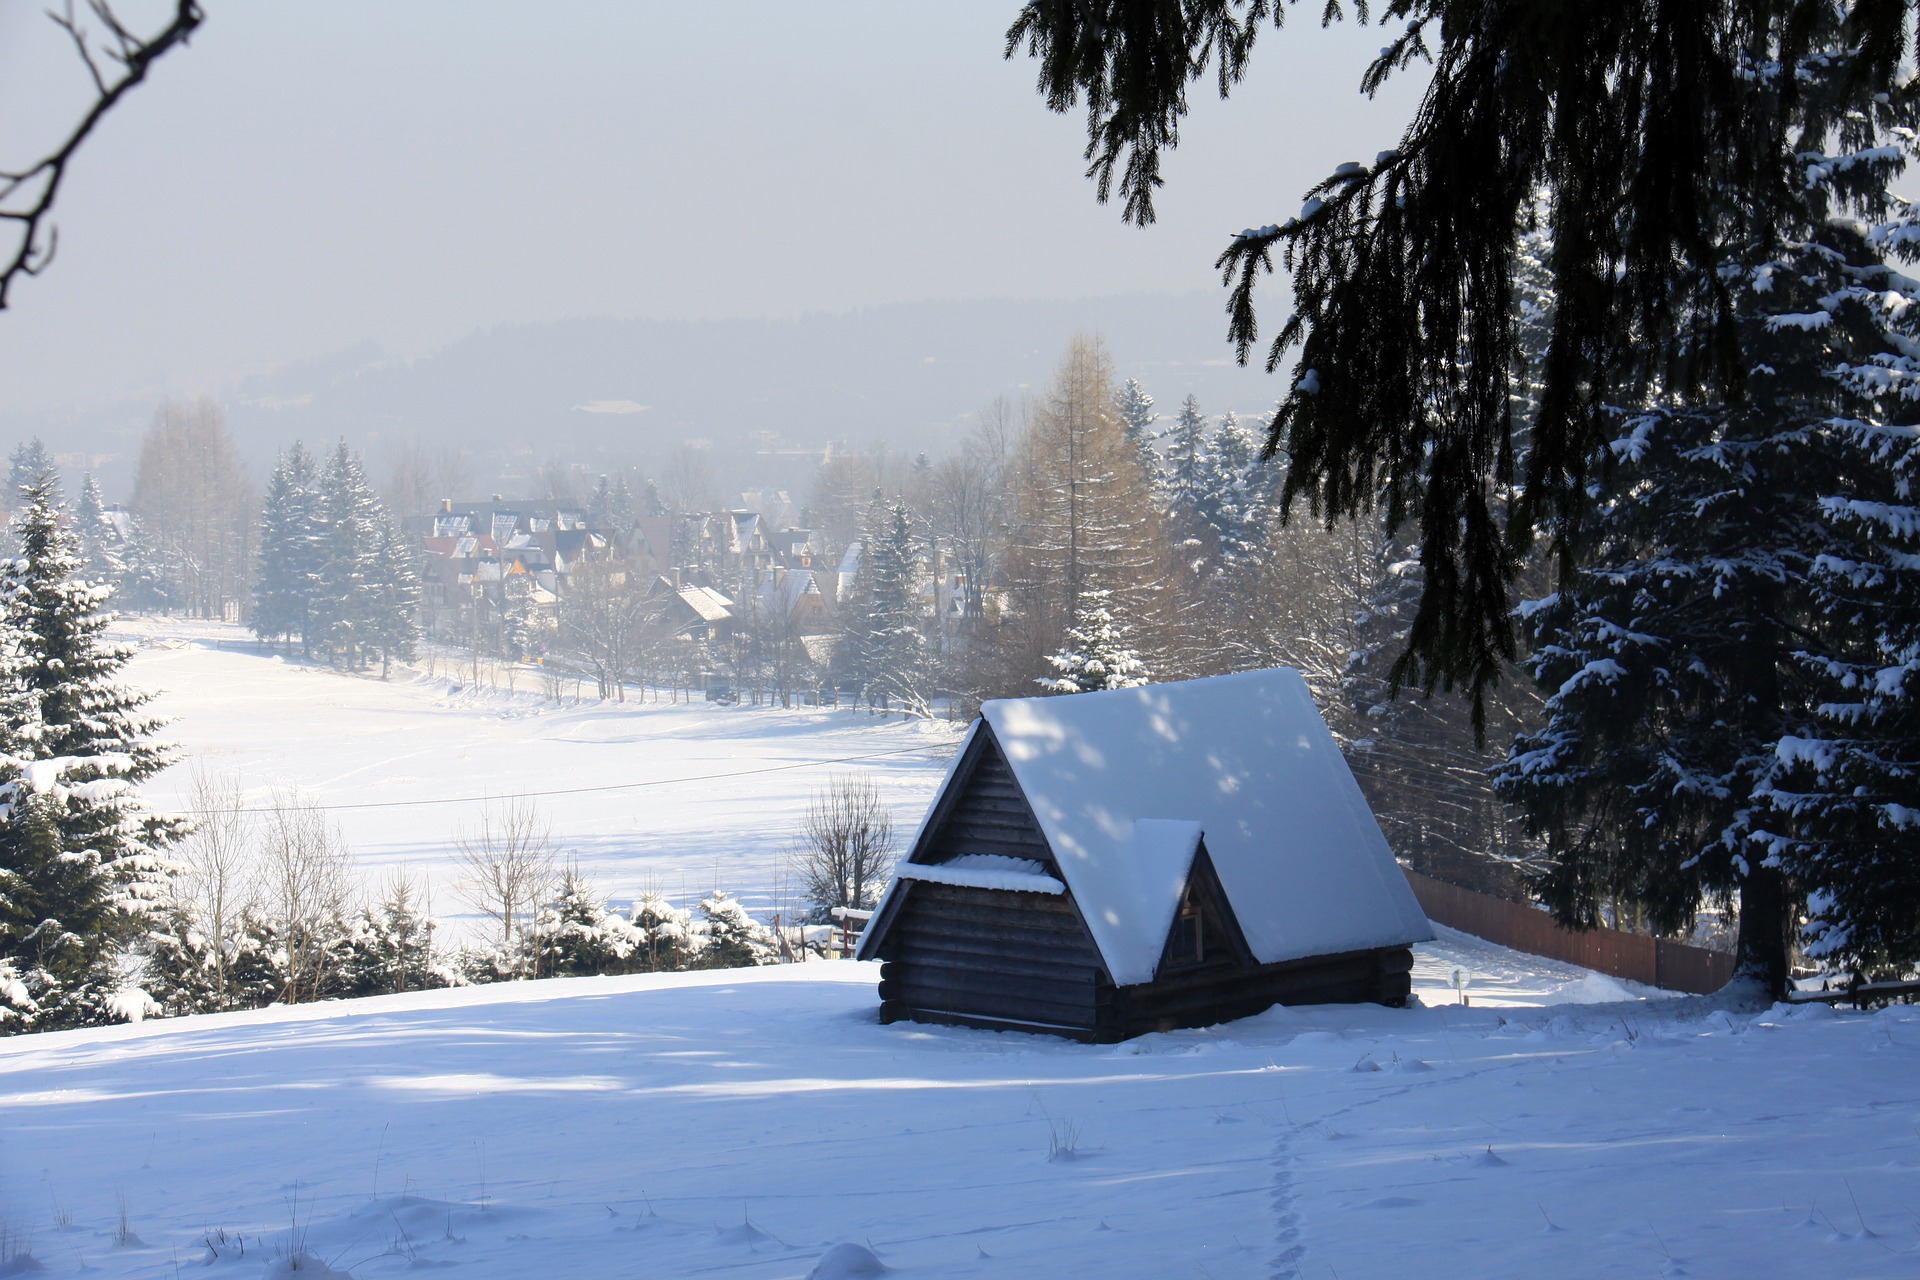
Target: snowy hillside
{"points": [[746, 1123], [675, 798]]}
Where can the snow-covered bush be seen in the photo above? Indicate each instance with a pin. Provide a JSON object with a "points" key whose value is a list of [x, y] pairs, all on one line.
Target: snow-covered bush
{"points": [[665, 932], [577, 935], [729, 938]]}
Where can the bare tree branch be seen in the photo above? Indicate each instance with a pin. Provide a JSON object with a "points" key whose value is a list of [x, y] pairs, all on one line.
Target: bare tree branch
{"points": [[39, 239]]}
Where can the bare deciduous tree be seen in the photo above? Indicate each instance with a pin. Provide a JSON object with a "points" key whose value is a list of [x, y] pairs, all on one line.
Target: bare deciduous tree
{"points": [[603, 621], [195, 499], [305, 881], [217, 882], [846, 850], [506, 863], [116, 60]]}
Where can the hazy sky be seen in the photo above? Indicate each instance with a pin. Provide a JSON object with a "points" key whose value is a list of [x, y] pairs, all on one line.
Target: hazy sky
{"points": [[309, 175]]}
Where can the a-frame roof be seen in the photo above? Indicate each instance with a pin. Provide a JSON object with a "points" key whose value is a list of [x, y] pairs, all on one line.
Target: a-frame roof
{"points": [[1125, 783]]}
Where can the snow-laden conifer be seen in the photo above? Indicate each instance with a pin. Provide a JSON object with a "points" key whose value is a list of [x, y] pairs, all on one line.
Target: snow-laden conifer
{"points": [[577, 934], [728, 937], [1671, 657], [665, 934], [1096, 653], [291, 550], [83, 862]]}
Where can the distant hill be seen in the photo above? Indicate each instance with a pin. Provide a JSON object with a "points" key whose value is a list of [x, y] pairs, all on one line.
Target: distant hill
{"points": [[909, 375]]}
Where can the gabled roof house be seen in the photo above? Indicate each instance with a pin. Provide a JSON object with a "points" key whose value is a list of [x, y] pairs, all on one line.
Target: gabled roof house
{"points": [[1100, 865]]}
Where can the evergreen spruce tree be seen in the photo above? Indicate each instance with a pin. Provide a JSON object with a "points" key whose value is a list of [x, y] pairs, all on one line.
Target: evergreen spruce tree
{"points": [[365, 591], [145, 582], [393, 601], [28, 464], [578, 936], [664, 933], [729, 937], [82, 862], [1095, 654], [1187, 464], [898, 660], [1672, 656], [1228, 498], [100, 556], [1135, 408], [392, 946], [292, 553], [1839, 810]]}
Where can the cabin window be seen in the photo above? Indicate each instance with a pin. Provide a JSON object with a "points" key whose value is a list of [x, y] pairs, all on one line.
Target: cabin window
{"points": [[1189, 944]]}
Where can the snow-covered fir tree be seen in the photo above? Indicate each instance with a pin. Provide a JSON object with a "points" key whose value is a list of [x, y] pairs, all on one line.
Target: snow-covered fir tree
{"points": [[578, 935], [612, 509], [28, 464], [729, 938], [1186, 464], [99, 540], [292, 550], [1135, 408], [393, 628], [1233, 499], [83, 863], [898, 661], [665, 934], [1840, 810], [1671, 656], [1096, 653], [365, 591], [392, 945]]}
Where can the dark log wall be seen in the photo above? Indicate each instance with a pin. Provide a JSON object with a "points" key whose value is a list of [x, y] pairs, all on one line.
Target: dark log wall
{"points": [[989, 815], [990, 956], [1206, 996]]}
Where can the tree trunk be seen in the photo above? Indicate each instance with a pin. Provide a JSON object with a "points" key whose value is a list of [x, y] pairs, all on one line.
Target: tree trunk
{"points": [[1761, 952]]}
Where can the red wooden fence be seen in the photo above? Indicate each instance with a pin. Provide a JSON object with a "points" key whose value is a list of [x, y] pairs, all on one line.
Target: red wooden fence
{"points": [[1656, 962]]}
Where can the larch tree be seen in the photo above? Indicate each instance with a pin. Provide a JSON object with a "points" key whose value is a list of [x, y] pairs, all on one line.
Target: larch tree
{"points": [[1083, 515], [194, 499]]}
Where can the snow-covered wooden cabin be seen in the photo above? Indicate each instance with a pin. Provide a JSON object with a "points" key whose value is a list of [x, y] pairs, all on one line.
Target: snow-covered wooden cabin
{"points": [[1100, 865]]}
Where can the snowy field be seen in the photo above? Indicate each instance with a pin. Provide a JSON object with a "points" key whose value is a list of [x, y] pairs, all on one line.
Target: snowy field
{"points": [[748, 1124], [678, 799]]}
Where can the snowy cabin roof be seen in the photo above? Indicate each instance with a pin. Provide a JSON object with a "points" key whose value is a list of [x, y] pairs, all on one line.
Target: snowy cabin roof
{"points": [[1126, 784]]}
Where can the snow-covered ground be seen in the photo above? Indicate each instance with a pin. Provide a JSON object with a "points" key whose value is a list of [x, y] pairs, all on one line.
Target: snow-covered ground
{"points": [[676, 798], [746, 1123], [761, 1123]]}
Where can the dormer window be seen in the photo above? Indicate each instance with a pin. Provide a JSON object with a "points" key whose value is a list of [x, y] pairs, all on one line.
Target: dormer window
{"points": [[1188, 945]]}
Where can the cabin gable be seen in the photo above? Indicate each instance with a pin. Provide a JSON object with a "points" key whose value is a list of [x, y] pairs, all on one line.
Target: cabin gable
{"points": [[983, 810]]}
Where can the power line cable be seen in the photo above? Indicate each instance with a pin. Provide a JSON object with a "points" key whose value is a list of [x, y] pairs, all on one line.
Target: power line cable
{"points": [[575, 791]]}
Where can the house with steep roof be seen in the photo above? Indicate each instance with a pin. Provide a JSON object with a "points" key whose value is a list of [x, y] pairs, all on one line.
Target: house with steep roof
{"points": [[1100, 865]]}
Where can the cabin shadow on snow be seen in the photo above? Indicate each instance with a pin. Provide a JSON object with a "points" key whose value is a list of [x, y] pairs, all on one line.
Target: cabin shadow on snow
{"points": [[1102, 865]]}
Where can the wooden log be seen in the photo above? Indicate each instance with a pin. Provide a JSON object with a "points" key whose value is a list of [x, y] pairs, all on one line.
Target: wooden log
{"points": [[1056, 945], [986, 960], [1002, 1002]]}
